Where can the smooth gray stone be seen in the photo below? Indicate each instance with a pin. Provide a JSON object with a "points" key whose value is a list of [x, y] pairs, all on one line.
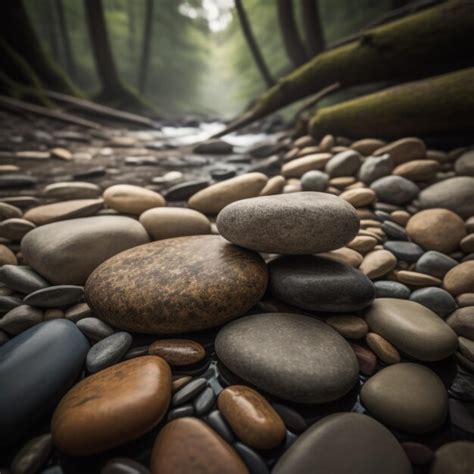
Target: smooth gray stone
{"points": [[94, 328], [180, 412], [213, 146], [55, 296], [22, 278], [391, 289], [345, 443], [435, 263], [204, 401], [319, 284], [108, 351], [455, 194], [286, 223], [32, 455], [189, 391], [217, 422], [20, 319], [436, 299], [7, 303], [395, 190], [346, 163], [124, 466], [53, 351], [464, 165], [222, 173], [136, 352], [78, 311], [183, 191], [314, 180], [394, 230], [251, 458], [294, 357], [375, 167], [16, 180], [292, 419], [406, 251]]}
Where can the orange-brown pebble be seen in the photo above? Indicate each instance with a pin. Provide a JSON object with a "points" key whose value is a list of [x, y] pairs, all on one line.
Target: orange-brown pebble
{"points": [[188, 445], [417, 279], [384, 350], [178, 351], [113, 406], [251, 417], [7, 257], [460, 279]]}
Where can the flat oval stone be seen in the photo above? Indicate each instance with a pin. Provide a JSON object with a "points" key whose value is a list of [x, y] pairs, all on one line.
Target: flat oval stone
{"points": [[342, 443], [183, 191], [436, 299], [21, 278], [460, 279], [261, 350], [205, 451], [94, 328], [296, 168], [178, 351], [55, 296], [412, 328], [177, 285], [319, 284], [409, 397], [435, 264], [456, 457], [378, 263], [112, 407], [15, 229], [405, 251], [395, 190], [67, 252], [53, 351], [20, 319], [285, 223], [72, 190], [129, 199], [33, 455], [375, 167], [251, 417], [108, 351], [274, 185], [404, 149], [7, 257]]}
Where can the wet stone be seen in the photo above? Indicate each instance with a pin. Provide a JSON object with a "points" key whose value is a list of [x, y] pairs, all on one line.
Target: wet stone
{"points": [[189, 391], [178, 352], [108, 351], [55, 296]]}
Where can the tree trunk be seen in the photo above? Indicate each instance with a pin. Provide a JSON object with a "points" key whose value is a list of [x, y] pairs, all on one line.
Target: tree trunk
{"points": [[63, 31], [291, 39], [146, 46], [252, 44], [440, 105], [312, 27]]}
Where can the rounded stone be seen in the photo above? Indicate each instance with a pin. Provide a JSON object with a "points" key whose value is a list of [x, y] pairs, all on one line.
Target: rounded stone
{"points": [[169, 222], [319, 284], [436, 299], [345, 163], [405, 251], [456, 457], [417, 170], [21, 278], [274, 185], [342, 443], [178, 352], [314, 180], [464, 165], [378, 263], [7, 257], [412, 328], [409, 397], [460, 279], [436, 229], [300, 166], [67, 252], [285, 223], [251, 417], [108, 351], [385, 351], [375, 167], [395, 190], [177, 285], [55, 296], [72, 190], [462, 322], [261, 350], [204, 450], [114, 406], [350, 327], [129, 199], [435, 263]]}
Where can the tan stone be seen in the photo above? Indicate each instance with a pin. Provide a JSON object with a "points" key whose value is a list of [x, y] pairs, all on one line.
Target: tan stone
{"points": [[7, 257], [341, 182], [400, 217], [378, 263], [460, 279], [367, 146], [178, 352], [348, 326], [297, 168], [417, 279], [344, 255], [274, 185], [362, 243], [384, 350], [417, 170], [403, 150], [129, 199]]}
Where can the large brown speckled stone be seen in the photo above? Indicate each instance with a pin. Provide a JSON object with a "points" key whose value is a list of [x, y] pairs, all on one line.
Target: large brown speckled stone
{"points": [[177, 285]]}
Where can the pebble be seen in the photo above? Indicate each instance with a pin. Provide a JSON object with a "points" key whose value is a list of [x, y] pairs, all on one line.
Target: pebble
{"points": [[77, 312], [53, 313], [213, 146], [189, 391], [341, 440], [52, 351], [319, 284], [55, 296], [350, 327], [435, 264], [436, 229], [204, 401], [460, 279], [385, 351], [252, 459], [16, 180], [456, 457], [420, 409], [274, 185], [346, 163], [21, 278], [362, 243], [214, 198], [417, 170], [465, 299], [179, 382], [113, 406], [366, 358], [251, 223], [395, 190], [403, 150], [467, 244], [462, 322], [222, 173], [417, 279], [292, 419], [464, 165], [251, 417], [300, 166], [180, 412], [60, 211], [366, 146], [21, 318], [205, 451], [260, 349], [129, 199], [177, 276], [124, 466], [374, 168], [169, 222], [7, 257], [436, 299], [378, 263], [9, 302], [33, 455], [405, 251], [314, 180], [178, 352], [217, 422], [67, 252], [412, 328], [14, 229], [71, 190], [400, 217], [108, 351], [183, 191], [344, 255]]}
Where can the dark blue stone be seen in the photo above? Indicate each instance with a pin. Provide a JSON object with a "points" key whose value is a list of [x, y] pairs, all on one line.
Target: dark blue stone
{"points": [[37, 367]]}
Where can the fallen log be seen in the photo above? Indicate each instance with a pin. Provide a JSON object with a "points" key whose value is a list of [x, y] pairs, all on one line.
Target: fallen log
{"points": [[439, 105], [433, 41]]}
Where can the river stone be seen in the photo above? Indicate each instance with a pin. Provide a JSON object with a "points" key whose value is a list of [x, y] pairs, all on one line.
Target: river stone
{"points": [[7, 211], [71, 190], [213, 199], [436, 299], [403, 150], [32, 455], [435, 264], [418, 170], [464, 165], [395, 190], [113, 406], [454, 194], [94, 328], [343, 443], [67, 252], [9, 302], [7, 257], [14, 229], [52, 351], [346, 163], [129, 199], [375, 167], [55, 296], [204, 450], [169, 222], [178, 352], [177, 285], [300, 166], [314, 181], [462, 322], [460, 279], [319, 284], [456, 457], [405, 251], [288, 223], [409, 397], [183, 191], [213, 146], [261, 350], [108, 351], [21, 278], [20, 319], [412, 328], [16, 180]]}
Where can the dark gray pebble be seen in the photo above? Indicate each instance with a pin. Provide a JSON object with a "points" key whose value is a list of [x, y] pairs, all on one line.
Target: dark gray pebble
{"points": [[32, 455], [220, 174], [58, 296], [95, 328], [292, 419], [9, 302], [253, 460], [90, 173], [204, 401], [394, 231], [22, 278], [435, 263], [395, 190], [136, 352], [14, 180], [108, 351], [188, 392], [183, 191], [217, 422], [436, 299], [180, 412], [391, 289], [406, 251]]}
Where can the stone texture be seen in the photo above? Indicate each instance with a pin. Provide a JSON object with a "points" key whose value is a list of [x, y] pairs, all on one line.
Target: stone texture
{"points": [[129, 199], [404, 251], [261, 350], [464, 165], [274, 185], [460, 279], [32, 455], [21, 278], [435, 264], [403, 150], [178, 352], [71, 190], [7, 257], [108, 351], [351, 327], [395, 190], [55, 296], [462, 322], [346, 163], [21, 318], [375, 167], [177, 285], [436, 299], [314, 180]]}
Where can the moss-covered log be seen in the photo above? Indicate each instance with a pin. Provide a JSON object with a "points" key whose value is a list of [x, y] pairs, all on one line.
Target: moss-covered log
{"points": [[441, 105], [433, 41]]}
